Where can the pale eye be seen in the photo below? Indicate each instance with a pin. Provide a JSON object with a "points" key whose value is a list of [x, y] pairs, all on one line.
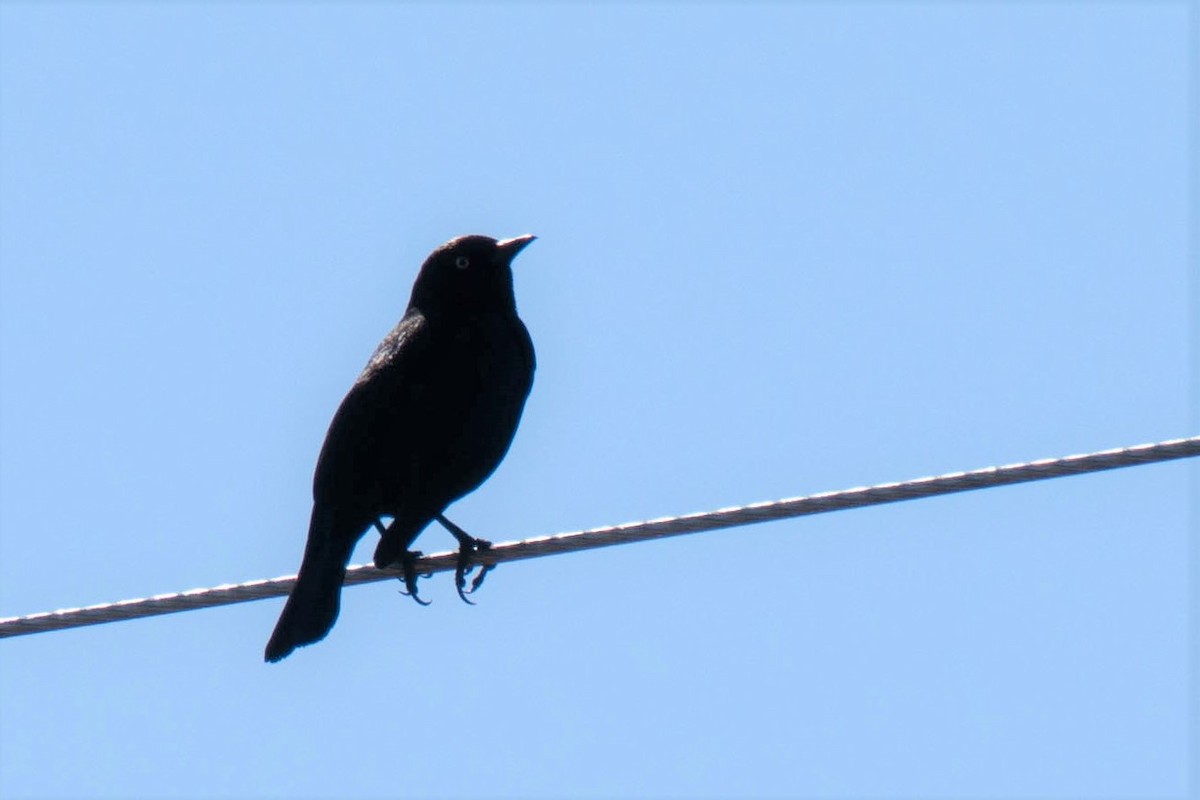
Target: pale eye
{"points": [[462, 262]]}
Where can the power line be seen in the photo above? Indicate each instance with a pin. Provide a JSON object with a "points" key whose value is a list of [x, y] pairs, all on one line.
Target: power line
{"points": [[626, 534]]}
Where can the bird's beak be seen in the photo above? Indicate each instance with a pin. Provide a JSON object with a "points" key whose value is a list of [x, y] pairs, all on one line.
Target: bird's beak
{"points": [[510, 247]]}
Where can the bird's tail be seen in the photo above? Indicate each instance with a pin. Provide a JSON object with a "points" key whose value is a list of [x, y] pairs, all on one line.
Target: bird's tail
{"points": [[312, 607]]}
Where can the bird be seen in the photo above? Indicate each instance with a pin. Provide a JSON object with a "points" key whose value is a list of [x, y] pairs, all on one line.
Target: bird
{"points": [[427, 421]]}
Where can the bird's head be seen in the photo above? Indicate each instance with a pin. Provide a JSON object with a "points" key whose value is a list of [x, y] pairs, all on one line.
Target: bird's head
{"points": [[468, 274]]}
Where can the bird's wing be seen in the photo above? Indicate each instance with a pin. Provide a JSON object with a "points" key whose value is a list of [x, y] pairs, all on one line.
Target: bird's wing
{"points": [[372, 416], [396, 350]]}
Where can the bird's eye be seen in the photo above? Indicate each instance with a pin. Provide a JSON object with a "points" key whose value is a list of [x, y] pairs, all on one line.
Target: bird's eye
{"points": [[462, 262]]}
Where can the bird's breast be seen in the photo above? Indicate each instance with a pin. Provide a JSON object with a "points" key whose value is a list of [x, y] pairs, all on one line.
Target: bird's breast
{"points": [[472, 394]]}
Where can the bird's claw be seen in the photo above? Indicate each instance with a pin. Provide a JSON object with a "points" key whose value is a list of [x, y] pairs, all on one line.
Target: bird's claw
{"points": [[466, 564], [468, 546], [478, 581], [408, 563]]}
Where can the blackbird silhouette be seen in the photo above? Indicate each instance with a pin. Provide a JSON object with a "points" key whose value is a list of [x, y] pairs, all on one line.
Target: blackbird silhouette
{"points": [[427, 421]]}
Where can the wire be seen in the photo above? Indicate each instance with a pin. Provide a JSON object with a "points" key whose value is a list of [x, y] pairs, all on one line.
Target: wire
{"points": [[625, 534]]}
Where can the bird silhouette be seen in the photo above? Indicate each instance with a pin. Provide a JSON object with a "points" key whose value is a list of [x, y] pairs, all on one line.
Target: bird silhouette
{"points": [[428, 420]]}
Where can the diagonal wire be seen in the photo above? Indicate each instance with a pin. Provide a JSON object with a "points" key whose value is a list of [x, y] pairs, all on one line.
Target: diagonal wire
{"points": [[625, 534]]}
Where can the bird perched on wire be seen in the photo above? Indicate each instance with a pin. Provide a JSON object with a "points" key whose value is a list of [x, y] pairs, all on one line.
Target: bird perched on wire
{"points": [[428, 420]]}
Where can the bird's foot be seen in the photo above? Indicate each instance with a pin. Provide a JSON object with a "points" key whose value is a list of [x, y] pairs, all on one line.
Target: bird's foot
{"points": [[466, 563], [468, 547], [408, 565]]}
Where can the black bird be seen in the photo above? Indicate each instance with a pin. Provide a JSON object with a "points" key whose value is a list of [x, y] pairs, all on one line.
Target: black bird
{"points": [[429, 419]]}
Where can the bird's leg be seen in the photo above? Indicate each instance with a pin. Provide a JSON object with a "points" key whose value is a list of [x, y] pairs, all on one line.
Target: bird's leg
{"points": [[468, 546], [408, 563]]}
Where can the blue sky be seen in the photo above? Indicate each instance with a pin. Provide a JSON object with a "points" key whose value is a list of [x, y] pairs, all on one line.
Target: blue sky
{"points": [[784, 249]]}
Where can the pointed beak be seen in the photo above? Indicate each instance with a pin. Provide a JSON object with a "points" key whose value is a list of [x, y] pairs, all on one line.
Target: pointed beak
{"points": [[510, 247]]}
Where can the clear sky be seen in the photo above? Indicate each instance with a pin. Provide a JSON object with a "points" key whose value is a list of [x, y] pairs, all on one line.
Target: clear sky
{"points": [[784, 248]]}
